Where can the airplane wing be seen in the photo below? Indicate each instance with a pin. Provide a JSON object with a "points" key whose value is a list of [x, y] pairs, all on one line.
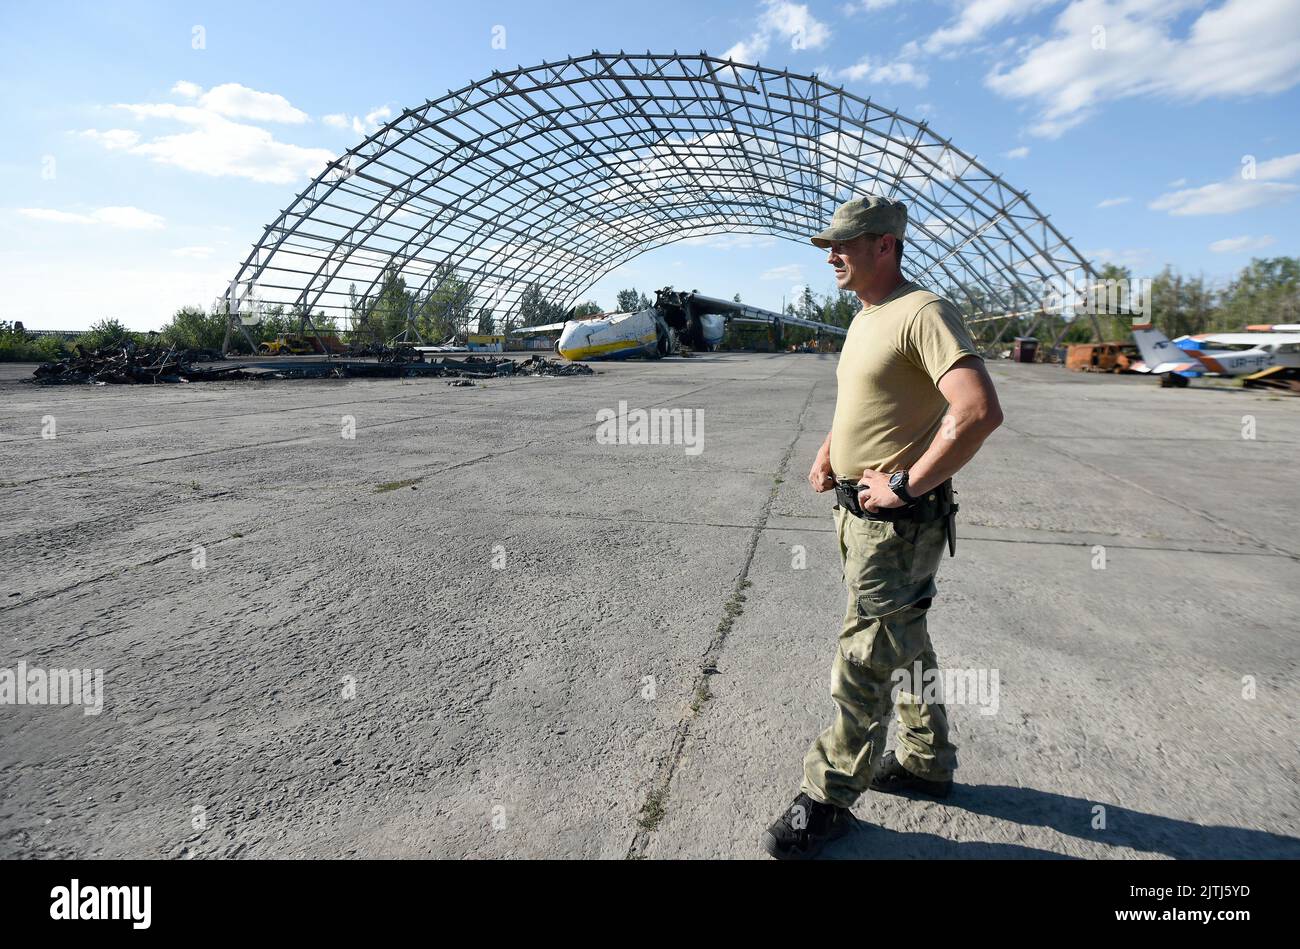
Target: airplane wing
{"points": [[788, 321], [815, 325], [1247, 339], [530, 330]]}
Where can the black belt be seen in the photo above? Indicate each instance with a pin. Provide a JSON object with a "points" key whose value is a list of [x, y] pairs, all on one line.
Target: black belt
{"points": [[936, 504]]}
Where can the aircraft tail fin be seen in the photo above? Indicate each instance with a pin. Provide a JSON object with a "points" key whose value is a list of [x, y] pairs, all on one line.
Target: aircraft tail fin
{"points": [[1159, 354]]}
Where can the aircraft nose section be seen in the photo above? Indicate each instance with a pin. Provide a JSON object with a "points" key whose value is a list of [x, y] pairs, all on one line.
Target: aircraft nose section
{"points": [[572, 338]]}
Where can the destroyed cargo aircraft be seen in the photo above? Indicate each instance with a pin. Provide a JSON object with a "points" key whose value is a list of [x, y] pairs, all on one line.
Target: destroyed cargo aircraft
{"points": [[677, 318]]}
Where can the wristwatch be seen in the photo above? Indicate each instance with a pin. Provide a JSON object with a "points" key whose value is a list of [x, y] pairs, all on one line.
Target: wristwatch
{"points": [[898, 484]]}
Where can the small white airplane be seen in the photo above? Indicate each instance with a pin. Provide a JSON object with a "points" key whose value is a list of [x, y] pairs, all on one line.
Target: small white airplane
{"points": [[1233, 354]]}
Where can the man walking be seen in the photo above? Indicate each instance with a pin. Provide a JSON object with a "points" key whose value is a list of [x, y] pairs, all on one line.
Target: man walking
{"points": [[914, 404]]}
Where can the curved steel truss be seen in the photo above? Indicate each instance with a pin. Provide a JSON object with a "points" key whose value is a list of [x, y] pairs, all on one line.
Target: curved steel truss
{"points": [[556, 174]]}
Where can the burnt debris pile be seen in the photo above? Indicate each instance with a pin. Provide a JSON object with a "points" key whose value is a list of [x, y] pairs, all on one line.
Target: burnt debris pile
{"points": [[129, 365]]}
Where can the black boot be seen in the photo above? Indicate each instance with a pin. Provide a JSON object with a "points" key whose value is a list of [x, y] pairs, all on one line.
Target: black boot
{"points": [[892, 778], [805, 827]]}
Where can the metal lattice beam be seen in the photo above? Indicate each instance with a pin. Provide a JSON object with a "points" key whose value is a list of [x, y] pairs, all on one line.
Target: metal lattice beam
{"points": [[559, 173]]}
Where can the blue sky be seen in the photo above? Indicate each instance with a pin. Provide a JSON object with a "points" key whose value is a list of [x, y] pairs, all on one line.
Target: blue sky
{"points": [[1138, 158]]}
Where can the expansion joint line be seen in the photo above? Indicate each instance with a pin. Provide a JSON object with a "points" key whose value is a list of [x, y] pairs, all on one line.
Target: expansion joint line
{"points": [[652, 810]]}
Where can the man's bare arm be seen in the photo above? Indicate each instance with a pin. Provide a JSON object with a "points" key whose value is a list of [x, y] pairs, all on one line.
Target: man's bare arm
{"points": [[820, 476], [973, 414]]}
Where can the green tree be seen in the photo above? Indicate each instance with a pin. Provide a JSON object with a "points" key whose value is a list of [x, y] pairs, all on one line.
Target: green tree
{"points": [[192, 327], [535, 309], [19, 346], [448, 308], [807, 308], [1267, 291], [104, 333]]}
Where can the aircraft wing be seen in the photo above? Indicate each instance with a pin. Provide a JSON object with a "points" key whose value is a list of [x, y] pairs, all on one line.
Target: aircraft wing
{"points": [[732, 311], [1247, 339], [788, 321], [814, 325], [530, 330]]}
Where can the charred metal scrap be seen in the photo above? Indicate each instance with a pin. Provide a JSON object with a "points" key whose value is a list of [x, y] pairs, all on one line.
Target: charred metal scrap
{"points": [[128, 365]]}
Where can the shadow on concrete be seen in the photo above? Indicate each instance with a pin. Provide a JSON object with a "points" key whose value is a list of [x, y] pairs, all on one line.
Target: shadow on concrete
{"points": [[869, 841], [1149, 833]]}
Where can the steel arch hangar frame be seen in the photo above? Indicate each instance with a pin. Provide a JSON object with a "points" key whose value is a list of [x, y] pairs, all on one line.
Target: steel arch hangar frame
{"points": [[557, 174]]}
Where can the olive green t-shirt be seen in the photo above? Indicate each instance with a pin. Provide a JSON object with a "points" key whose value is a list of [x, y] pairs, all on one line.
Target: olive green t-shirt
{"points": [[889, 406]]}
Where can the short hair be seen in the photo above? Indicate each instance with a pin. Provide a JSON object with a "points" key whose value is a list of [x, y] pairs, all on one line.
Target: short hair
{"points": [[898, 246]]}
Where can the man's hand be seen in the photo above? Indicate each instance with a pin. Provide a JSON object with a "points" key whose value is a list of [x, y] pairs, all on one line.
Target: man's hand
{"points": [[821, 477], [874, 492]]}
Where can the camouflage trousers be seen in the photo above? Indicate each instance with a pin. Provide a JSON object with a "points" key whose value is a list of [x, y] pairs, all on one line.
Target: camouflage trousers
{"points": [[889, 570]]}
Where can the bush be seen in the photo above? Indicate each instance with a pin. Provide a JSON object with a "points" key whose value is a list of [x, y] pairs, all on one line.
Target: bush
{"points": [[108, 332], [18, 346], [192, 328]]}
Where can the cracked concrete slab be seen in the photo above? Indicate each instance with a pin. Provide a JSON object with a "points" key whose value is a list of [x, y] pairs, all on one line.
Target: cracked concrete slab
{"points": [[547, 646]]}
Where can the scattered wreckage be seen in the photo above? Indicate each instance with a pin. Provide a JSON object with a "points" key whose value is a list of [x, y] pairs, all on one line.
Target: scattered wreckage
{"points": [[129, 365]]}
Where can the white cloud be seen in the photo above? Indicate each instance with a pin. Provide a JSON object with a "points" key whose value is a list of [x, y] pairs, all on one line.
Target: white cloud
{"points": [[730, 241], [975, 18], [1113, 202], [361, 126], [787, 272], [1178, 183], [867, 6], [1021, 152], [1132, 257], [124, 218], [792, 21], [239, 102], [215, 144], [1237, 245], [222, 148], [188, 90], [1224, 197], [725, 163], [784, 20], [113, 138], [1284, 166], [1237, 193], [1103, 50], [193, 253], [378, 116], [748, 51], [896, 72]]}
